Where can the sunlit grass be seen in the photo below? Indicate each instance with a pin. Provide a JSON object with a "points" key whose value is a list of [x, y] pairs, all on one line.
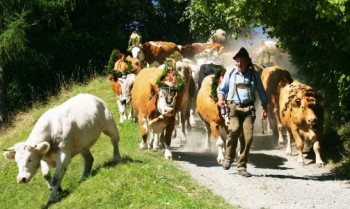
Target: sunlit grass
{"points": [[144, 179]]}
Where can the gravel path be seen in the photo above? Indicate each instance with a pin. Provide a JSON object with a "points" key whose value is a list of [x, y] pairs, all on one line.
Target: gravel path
{"points": [[278, 181]]}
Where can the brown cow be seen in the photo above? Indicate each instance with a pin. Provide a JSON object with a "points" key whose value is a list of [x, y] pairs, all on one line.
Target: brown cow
{"points": [[209, 112], [302, 115], [154, 53], [155, 107], [272, 79]]}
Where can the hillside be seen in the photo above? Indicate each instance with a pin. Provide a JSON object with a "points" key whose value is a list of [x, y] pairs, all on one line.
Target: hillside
{"points": [[144, 179]]}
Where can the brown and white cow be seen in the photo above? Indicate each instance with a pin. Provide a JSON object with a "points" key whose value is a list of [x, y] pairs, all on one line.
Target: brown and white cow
{"points": [[122, 85], [273, 78], [154, 53], [61, 133], [302, 115], [214, 122], [122, 88], [155, 108], [190, 50]]}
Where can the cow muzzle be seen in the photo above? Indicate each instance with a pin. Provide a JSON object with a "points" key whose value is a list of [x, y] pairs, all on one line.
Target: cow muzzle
{"points": [[166, 102], [22, 179], [313, 122]]}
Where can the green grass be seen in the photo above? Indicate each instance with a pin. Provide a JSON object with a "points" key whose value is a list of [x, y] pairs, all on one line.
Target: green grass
{"points": [[144, 179]]}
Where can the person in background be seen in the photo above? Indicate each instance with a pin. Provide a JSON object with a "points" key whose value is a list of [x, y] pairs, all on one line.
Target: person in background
{"points": [[238, 87], [135, 40]]}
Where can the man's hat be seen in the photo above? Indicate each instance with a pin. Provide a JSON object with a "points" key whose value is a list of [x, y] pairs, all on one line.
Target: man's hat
{"points": [[242, 53]]}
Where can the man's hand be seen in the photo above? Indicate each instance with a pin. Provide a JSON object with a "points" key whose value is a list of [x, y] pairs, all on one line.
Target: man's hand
{"points": [[221, 100], [221, 103]]}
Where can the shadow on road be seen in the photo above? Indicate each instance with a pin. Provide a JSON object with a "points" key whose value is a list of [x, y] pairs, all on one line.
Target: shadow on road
{"points": [[204, 159]]}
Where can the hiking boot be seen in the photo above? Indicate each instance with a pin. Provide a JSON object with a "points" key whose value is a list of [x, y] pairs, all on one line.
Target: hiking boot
{"points": [[226, 165], [244, 173]]}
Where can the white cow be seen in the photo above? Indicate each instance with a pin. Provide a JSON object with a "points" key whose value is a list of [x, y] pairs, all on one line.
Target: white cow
{"points": [[61, 133]]}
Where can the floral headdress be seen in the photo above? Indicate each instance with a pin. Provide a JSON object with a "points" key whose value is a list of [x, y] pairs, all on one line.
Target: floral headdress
{"points": [[116, 55], [170, 77], [219, 73]]}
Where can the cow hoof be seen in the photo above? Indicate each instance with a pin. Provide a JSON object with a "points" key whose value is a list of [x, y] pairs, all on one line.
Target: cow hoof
{"points": [[320, 165], [143, 146], [301, 163], [52, 201], [193, 123], [156, 147], [168, 155], [116, 160], [220, 160]]}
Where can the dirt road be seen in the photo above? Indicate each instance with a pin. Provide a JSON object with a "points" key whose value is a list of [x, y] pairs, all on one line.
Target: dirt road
{"points": [[278, 180]]}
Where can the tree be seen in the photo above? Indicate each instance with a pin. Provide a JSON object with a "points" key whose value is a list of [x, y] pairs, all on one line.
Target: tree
{"points": [[315, 33], [12, 45]]}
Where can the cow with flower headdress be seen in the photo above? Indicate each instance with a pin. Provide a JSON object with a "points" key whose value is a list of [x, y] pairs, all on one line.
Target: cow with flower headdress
{"points": [[156, 96], [215, 123], [122, 79]]}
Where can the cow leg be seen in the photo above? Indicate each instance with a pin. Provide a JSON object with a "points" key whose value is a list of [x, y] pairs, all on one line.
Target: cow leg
{"points": [[191, 118], [215, 130], [300, 145], [167, 138], [88, 161], [279, 125], [131, 113], [207, 146], [317, 148], [122, 115], [45, 170], [113, 133], [144, 132], [63, 160], [156, 141], [289, 143], [183, 119]]}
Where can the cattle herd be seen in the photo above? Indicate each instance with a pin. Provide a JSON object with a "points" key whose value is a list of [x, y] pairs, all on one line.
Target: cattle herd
{"points": [[73, 127]]}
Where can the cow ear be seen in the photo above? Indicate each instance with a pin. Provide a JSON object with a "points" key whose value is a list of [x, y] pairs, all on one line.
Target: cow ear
{"points": [[42, 148], [10, 153]]}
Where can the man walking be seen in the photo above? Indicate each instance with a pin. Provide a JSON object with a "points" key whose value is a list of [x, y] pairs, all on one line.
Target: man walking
{"points": [[238, 87]]}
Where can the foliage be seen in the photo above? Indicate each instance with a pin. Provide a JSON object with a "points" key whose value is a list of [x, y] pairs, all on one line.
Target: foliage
{"points": [[142, 180], [344, 135], [115, 55], [219, 72], [46, 43]]}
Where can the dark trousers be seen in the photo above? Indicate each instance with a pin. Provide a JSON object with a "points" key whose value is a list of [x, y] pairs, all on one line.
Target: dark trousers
{"points": [[241, 121]]}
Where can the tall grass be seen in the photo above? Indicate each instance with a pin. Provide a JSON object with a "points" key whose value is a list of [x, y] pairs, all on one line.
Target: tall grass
{"points": [[144, 179]]}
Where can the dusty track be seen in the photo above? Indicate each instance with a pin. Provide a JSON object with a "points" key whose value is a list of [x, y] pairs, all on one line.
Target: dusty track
{"points": [[278, 181]]}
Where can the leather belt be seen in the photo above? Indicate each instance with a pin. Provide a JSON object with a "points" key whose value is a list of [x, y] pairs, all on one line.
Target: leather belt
{"points": [[243, 105]]}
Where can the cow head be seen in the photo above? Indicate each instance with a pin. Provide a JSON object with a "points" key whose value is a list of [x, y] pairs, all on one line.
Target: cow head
{"points": [[137, 53], [218, 36], [126, 83], [27, 158], [308, 109], [166, 101]]}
